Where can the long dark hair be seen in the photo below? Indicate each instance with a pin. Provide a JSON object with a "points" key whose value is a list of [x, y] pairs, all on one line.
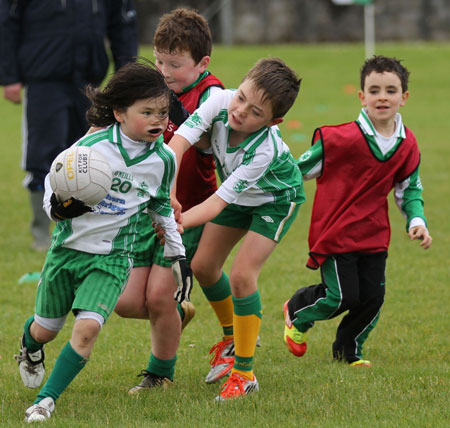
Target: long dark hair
{"points": [[132, 82]]}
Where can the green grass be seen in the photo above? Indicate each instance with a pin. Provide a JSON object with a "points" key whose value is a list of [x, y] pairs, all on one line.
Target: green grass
{"points": [[409, 383]]}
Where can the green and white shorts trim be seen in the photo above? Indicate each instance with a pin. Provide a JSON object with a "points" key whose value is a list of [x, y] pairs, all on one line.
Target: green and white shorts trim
{"points": [[271, 220], [75, 281]]}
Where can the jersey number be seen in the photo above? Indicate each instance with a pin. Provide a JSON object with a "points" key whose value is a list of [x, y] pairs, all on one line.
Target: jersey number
{"points": [[120, 186]]}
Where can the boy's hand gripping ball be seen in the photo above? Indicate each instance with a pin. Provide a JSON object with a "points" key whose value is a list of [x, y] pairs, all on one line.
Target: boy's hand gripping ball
{"points": [[68, 209]]}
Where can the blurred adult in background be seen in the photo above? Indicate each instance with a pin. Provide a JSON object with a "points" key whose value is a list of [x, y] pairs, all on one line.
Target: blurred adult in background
{"points": [[52, 49]]}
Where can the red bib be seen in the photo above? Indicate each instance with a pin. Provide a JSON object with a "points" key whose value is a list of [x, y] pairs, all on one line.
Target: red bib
{"points": [[350, 212]]}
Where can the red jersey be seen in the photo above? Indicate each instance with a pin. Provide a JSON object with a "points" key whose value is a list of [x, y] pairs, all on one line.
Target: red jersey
{"points": [[197, 177], [350, 211]]}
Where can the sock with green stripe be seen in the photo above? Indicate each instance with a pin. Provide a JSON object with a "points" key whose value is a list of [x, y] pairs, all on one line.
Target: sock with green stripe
{"points": [[219, 297], [247, 322]]}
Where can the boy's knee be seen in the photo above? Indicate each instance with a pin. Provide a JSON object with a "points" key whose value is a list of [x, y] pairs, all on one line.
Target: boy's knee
{"points": [[157, 306], [41, 334], [241, 282], [160, 301], [201, 271], [84, 334], [196, 266]]}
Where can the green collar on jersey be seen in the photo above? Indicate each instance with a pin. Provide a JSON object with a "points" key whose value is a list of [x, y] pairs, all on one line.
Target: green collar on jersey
{"points": [[114, 136], [375, 148], [251, 142], [370, 134]]}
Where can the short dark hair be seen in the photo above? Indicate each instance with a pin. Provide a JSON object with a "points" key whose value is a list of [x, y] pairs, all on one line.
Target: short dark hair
{"points": [[278, 83], [132, 82], [183, 30], [382, 64]]}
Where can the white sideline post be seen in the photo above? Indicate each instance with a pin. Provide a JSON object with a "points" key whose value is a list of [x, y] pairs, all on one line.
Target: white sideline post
{"points": [[226, 22], [369, 29], [225, 10], [369, 22]]}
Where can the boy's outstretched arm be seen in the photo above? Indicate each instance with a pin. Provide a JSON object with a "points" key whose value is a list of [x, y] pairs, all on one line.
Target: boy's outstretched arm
{"points": [[421, 232], [204, 212], [179, 145], [200, 214]]}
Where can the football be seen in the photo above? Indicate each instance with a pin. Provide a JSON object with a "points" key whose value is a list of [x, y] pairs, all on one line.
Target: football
{"points": [[80, 172]]}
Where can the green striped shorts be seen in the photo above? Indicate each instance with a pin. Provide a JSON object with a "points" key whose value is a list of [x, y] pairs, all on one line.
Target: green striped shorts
{"points": [[74, 280]]}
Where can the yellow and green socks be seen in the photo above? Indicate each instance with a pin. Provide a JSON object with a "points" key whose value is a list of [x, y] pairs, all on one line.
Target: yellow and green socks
{"points": [[219, 297], [247, 321]]}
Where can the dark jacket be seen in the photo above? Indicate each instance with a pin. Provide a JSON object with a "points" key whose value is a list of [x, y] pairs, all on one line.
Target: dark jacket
{"points": [[64, 39]]}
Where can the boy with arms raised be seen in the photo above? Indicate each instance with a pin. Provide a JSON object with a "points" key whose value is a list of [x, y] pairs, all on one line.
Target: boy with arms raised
{"points": [[91, 256], [182, 48], [356, 165], [257, 202]]}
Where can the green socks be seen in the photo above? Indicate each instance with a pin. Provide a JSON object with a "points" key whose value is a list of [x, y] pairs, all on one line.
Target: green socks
{"points": [[159, 367], [68, 364], [30, 343]]}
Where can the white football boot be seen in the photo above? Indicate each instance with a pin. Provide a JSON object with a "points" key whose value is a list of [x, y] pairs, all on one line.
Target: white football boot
{"points": [[222, 361], [31, 366], [41, 411]]}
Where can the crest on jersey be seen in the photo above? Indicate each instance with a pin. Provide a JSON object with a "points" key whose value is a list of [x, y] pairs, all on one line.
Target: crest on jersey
{"points": [[193, 120], [240, 185], [305, 156], [142, 190]]}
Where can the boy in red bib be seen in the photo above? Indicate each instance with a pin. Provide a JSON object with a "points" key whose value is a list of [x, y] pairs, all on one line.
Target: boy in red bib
{"points": [[356, 165]]}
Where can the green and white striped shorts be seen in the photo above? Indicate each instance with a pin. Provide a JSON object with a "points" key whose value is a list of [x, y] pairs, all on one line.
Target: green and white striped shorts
{"points": [[74, 280]]}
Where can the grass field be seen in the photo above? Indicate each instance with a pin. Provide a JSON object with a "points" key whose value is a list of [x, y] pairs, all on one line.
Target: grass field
{"points": [[409, 383]]}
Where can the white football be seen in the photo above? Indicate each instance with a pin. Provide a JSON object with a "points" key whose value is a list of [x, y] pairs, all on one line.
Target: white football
{"points": [[80, 172]]}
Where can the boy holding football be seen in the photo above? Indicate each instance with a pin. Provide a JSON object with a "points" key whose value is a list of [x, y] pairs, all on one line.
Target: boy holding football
{"points": [[91, 255], [182, 49], [356, 165], [257, 202]]}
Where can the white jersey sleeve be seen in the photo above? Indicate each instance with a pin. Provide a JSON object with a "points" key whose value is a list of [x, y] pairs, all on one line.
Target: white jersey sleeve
{"points": [[173, 246], [201, 120]]}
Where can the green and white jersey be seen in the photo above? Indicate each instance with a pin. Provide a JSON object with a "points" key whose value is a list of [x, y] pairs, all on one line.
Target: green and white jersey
{"points": [[407, 194], [143, 174], [259, 170]]}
